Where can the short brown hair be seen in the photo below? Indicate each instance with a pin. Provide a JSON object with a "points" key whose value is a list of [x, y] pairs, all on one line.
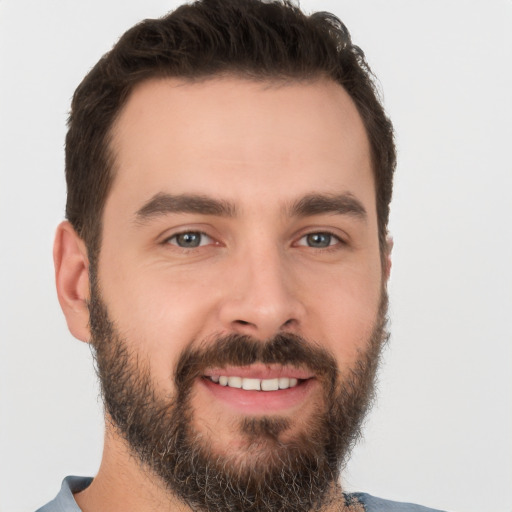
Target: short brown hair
{"points": [[254, 39]]}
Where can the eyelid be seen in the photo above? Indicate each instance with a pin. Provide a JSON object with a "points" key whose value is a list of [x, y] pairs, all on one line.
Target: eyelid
{"points": [[337, 239], [204, 235]]}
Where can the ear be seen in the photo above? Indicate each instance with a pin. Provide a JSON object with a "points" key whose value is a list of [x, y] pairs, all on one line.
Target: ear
{"points": [[389, 248], [72, 279]]}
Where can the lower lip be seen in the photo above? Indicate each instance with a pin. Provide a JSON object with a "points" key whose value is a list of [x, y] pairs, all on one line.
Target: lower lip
{"points": [[260, 402]]}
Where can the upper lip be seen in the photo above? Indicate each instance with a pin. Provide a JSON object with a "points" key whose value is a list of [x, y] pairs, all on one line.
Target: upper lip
{"points": [[260, 371]]}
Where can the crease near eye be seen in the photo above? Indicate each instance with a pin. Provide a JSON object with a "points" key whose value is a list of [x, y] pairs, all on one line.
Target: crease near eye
{"points": [[189, 239], [319, 240]]}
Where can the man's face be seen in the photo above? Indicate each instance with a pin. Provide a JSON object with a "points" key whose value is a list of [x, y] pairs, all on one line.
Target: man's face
{"points": [[242, 211]]}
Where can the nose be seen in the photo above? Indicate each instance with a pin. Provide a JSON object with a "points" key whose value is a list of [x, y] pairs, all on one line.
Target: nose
{"points": [[261, 297]]}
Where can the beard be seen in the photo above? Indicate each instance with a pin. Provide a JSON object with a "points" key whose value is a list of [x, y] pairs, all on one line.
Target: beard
{"points": [[280, 470]]}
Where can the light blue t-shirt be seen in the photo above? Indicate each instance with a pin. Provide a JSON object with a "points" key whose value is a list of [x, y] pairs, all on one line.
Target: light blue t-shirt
{"points": [[65, 502]]}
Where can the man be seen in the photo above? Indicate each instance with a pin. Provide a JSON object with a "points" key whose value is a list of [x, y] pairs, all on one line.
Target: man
{"points": [[229, 172]]}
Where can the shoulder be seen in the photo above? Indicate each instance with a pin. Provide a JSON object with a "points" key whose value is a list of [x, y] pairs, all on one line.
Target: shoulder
{"points": [[64, 501], [373, 504]]}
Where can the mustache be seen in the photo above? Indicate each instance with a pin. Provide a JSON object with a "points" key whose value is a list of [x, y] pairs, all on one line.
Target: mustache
{"points": [[284, 349]]}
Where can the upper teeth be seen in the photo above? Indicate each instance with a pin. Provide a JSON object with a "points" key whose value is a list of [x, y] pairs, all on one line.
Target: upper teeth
{"points": [[255, 384]]}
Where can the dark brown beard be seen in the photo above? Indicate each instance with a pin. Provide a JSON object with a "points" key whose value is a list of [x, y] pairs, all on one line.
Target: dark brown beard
{"points": [[296, 475]]}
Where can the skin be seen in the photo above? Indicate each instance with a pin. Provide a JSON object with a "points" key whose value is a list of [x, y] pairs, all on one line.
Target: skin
{"points": [[260, 147]]}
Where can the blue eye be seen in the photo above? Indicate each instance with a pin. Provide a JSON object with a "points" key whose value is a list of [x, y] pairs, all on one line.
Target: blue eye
{"points": [[319, 240], [190, 239]]}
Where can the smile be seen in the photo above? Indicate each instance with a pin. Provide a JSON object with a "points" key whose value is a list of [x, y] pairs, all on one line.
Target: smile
{"points": [[259, 389], [249, 384]]}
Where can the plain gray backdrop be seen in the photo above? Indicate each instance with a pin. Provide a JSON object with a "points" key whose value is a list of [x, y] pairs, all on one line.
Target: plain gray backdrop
{"points": [[440, 433]]}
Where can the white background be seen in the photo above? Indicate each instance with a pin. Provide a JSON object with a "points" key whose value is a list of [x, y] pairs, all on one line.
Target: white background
{"points": [[441, 432]]}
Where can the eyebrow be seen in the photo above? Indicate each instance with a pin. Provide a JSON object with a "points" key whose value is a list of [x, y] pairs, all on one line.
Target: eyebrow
{"points": [[312, 204], [317, 204], [162, 204]]}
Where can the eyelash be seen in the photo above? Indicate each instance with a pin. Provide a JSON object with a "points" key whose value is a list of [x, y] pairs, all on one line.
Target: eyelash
{"points": [[189, 232], [331, 247]]}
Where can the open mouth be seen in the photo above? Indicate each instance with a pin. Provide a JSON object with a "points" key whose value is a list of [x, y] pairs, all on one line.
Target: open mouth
{"points": [[250, 384], [258, 389]]}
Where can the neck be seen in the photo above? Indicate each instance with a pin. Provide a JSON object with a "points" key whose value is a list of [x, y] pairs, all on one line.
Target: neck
{"points": [[124, 485]]}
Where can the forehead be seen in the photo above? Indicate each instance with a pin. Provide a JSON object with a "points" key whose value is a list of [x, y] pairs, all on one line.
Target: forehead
{"points": [[239, 139]]}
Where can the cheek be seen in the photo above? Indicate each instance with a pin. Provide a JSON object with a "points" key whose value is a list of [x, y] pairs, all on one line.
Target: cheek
{"points": [[158, 313], [347, 310]]}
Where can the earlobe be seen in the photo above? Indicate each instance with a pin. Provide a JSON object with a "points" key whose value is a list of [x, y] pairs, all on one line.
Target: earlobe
{"points": [[72, 279], [389, 249]]}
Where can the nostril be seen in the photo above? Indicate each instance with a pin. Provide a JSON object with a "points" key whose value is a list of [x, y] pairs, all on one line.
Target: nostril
{"points": [[289, 323]]}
